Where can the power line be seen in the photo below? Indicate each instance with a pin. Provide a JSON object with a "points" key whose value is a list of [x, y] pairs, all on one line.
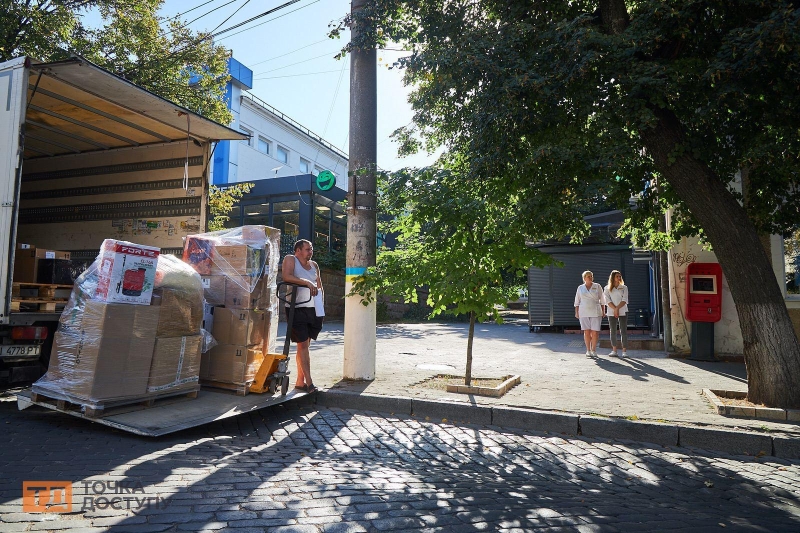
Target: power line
{"points": [[189, 10], [289, 53], [296, 75], [207, 13], [231, 16], [264, 14], [270, 20], [209, 35], [327, 54]]}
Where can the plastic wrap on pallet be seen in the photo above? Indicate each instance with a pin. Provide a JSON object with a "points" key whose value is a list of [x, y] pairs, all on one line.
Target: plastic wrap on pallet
{"points": [[179, 292], [107, 351], [101, 351], [239, 270], [244, 256]]}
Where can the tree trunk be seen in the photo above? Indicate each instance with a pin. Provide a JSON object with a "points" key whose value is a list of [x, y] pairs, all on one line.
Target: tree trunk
{"points": [[468, 373], [771, 349]]}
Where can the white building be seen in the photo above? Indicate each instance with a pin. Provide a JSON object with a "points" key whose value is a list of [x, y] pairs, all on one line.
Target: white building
{"points": [[278, 146]]}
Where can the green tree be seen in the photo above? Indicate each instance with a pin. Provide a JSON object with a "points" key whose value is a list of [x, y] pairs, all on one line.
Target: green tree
{"points": [[134, 42], [563, 101], [453, 240], [221, 201]]}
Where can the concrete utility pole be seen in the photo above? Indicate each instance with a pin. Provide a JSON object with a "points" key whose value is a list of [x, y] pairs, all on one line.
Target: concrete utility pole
{"points": [[359, 320]]}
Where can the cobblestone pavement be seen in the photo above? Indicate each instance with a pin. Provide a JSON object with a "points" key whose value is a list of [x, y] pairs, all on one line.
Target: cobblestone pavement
{"points": [[335, 470]]}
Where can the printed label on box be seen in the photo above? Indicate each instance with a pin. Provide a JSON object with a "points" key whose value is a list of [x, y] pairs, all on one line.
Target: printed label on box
{"points": [[127, 272]]}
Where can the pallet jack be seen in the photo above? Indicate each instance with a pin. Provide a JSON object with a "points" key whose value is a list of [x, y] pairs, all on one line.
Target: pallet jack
{"points": [[274, 368]]}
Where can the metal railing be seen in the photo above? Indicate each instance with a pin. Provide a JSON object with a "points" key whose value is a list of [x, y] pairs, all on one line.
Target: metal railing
{"points": [[292, 122]]}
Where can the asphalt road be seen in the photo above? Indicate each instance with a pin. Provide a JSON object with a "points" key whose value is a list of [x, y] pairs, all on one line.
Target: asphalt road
{"points": [[334, 470]]}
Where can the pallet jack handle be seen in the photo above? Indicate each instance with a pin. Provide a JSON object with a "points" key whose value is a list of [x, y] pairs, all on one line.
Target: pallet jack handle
{"points": [[290, 314]]}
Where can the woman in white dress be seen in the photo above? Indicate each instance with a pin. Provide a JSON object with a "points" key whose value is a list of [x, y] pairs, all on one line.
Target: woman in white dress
{"points": [[589, 302]]}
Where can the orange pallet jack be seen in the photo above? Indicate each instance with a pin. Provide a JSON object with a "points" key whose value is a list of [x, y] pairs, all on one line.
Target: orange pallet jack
{"points": [[274, 368]]}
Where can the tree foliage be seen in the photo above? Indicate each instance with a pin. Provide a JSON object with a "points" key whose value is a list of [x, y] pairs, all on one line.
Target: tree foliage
{"points": [[221, 200], [466, 250], [561, 102], [540, 94], [134, 42]]}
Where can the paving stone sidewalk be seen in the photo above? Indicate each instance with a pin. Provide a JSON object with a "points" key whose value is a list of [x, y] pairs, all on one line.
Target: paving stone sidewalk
{"points": [[646, 385], [306, 470]]}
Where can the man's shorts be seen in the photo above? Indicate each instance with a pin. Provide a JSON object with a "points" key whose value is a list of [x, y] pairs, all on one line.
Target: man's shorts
{"points": [[589, 322], [305, 324]]}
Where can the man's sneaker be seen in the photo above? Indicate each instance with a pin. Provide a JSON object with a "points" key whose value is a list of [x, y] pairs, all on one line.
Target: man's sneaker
{"points": [[613, 353], [594, 354], [623, 355], [588, 353]]}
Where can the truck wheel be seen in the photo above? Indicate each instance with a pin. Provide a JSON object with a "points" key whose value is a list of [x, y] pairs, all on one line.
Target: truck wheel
{"points": [[284, 385], [272, 386]]}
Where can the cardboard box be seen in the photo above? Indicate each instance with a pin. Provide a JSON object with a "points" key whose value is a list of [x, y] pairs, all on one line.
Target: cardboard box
{"points": [[104, 353], [238, 295], [245, 327], [126, 272], [179, 315], [239, 259], [234, 364], [214, 289], [27, 260], [176, 363], [198, 252]]}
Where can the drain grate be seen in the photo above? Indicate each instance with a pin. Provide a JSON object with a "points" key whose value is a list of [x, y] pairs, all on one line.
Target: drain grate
{"points": [[575, 344]]}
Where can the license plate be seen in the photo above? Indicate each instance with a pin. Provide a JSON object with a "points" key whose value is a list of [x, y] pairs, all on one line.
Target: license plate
{"points": [[19, 350]]}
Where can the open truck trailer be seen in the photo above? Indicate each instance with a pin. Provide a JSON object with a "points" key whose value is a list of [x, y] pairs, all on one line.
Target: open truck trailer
{"points": [[85, 156]]}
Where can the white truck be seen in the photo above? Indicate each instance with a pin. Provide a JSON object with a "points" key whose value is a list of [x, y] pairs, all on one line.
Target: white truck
{"points": [[84, 156]]}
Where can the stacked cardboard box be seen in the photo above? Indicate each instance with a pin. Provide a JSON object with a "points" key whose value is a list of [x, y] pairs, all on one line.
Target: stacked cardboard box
{"points": [[37, 265], [103, 351], [239, 270], [131, 329], [178, 343]]}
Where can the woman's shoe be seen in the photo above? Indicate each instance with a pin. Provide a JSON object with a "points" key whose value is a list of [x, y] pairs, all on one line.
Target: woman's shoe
{"points": [[311, 388], [301, 388]]}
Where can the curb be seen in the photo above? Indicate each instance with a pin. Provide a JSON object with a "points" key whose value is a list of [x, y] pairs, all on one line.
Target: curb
{"points": [[732, 442]]}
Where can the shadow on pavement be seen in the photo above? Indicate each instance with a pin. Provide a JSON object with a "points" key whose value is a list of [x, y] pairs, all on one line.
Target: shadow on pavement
{"points": [[317, 468]]}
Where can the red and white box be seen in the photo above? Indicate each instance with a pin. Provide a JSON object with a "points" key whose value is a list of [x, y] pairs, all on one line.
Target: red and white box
{"points": [[126, 272]]}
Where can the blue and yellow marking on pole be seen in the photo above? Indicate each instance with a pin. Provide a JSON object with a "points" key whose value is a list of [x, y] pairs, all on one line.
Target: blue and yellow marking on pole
{"points": [[353, 273]]}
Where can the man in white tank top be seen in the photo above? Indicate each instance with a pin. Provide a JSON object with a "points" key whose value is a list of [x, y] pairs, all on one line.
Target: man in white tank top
{"points": [[306, 325]]}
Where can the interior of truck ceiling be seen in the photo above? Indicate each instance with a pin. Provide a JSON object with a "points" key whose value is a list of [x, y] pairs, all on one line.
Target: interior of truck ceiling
{"points": [[75, 106]]}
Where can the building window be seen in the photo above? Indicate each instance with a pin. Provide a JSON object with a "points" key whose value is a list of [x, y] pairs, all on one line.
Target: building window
{"points": [[317, 170], [247, 132], [263, 145], [256, 214], [283, 154], [791, 263], [304, 166], [234, 218]]}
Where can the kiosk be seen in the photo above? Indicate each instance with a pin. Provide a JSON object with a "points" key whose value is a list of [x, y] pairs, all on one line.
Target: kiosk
{"points": [[703, 307]]}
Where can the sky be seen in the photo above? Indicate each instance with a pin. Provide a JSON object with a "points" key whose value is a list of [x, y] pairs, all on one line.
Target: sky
{"points": [[294, 69]]}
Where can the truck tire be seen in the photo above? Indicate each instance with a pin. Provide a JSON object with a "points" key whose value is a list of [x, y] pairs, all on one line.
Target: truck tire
{"points": [[284, 385]]}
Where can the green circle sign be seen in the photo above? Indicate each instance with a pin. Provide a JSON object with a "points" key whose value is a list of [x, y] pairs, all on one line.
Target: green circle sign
{"points": [[326, 180]]}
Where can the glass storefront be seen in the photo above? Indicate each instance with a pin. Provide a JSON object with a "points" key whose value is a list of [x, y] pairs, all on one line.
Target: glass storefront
{"points": [[298, 211]]}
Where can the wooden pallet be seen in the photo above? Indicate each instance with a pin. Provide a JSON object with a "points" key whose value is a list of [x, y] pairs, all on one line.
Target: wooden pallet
{"points": [[39, 297], [240, 389], [90, 409]]}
